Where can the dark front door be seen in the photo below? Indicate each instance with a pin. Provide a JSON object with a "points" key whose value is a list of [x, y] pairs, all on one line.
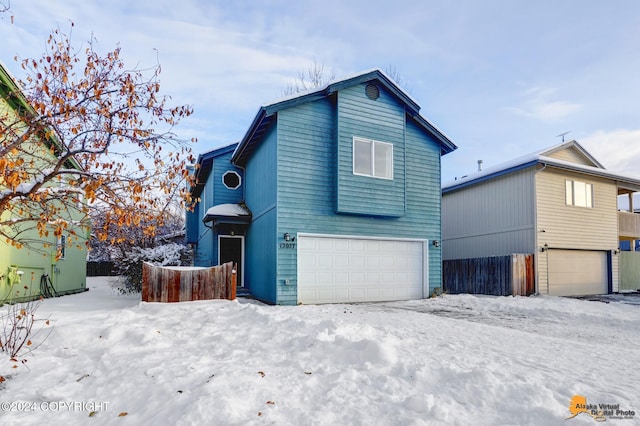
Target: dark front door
{"points": [[231, 250]]}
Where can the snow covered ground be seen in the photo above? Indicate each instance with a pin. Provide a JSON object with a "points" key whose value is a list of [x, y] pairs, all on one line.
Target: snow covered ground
{"points": [[454, 360]]}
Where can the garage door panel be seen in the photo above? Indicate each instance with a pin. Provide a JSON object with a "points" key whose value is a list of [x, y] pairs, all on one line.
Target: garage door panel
{"points": [[358, 278], [342, 269], [577, 272], [343, 245]]}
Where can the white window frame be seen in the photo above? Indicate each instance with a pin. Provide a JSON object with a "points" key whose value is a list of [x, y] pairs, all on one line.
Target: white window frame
{"points": [[570, 194], [237, 175], [61, 247], [373, 144]]}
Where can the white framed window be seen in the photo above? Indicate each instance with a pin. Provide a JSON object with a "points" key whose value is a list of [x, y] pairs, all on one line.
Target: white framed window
{"points": [[231, 179], [61, 247], [372, 158], [578, 193]]}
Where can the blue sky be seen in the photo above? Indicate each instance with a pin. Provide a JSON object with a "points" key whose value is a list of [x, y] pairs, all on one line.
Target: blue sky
{"points": [[501, 78]]}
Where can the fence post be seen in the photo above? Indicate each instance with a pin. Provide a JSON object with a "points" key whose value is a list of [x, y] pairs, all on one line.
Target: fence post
{"points": [[145, 282], [234, 282]]}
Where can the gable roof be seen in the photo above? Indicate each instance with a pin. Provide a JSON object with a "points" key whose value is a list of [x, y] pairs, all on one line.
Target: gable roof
{"points": [[571, 146], [268, 113], [543, 158], [205, 164]]}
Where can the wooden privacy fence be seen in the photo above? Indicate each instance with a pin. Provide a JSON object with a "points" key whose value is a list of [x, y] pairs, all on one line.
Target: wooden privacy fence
{"points": [[510, 275], [181, 284]]}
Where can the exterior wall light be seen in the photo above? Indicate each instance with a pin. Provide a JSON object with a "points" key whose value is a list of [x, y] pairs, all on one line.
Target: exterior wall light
{"points": [[435, 243]]}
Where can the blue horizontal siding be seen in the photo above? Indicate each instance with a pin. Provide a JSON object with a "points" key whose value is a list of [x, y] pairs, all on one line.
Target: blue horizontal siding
{"points": [[307, 178], [260, 260], [192, 224], [214, 193], [260, 244], [424, 200], [222, 194], [381, 120]]}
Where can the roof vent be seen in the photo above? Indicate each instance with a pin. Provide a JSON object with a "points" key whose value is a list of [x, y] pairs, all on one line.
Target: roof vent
{"points": [[372, 91]]}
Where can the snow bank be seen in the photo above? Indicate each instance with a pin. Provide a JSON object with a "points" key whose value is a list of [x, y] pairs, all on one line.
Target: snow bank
{"points": [[451, 360]]}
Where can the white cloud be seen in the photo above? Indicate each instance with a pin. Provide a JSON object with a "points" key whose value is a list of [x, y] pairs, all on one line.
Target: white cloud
{"points": [[617, 150], [539, 104]]}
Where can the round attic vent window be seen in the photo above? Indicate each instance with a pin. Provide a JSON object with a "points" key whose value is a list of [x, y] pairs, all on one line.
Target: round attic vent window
{"points": [[372, 91], [231, 179]]}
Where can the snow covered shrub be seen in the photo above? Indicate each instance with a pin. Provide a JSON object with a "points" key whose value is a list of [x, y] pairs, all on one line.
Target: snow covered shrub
{"points": [[130, 265]]}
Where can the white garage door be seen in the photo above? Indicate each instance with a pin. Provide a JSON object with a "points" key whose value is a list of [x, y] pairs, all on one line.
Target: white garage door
{"points": [[350, 269], [577, 272]]}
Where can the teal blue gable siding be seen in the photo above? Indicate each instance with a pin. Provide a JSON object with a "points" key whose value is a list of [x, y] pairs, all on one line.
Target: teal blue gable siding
{"points": [[222, 194], [260, 245], [381, 120], [307, 153]]}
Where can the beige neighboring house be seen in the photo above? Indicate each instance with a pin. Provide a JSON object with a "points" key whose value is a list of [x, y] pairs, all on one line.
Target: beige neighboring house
{"points": [[560, 204]]}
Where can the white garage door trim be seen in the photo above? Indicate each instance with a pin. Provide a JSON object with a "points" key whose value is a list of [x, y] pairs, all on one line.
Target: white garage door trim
{"points": [[578, 272], [351, 268]]}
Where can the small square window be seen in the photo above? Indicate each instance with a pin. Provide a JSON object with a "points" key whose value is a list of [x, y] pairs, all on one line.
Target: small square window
{"points": [[578, 193], [372, 158]]}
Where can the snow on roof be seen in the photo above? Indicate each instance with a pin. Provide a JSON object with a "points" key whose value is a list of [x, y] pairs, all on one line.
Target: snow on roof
{"points": [[530, 160], [229, 210]]}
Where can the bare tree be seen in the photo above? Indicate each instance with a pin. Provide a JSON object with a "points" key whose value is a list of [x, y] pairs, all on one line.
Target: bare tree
{"points": [[314, 76], [393, 72], [5, 6], [84, 131]]}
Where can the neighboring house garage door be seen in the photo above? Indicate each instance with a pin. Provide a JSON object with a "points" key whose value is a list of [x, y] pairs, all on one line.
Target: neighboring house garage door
{"points": [[577, 272], [351, 269]]}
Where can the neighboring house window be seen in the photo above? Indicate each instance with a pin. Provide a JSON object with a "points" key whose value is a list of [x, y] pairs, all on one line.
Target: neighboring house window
{"points": [[62, 246], [372, 158], [231, 180], [579, 193]]}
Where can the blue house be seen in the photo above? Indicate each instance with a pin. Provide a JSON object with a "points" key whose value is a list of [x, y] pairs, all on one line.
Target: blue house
{"points": [[332, 195], [216, 227]]}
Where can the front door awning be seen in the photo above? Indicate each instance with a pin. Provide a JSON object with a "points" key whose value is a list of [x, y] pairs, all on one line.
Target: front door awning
{"points": [[228, 213]]}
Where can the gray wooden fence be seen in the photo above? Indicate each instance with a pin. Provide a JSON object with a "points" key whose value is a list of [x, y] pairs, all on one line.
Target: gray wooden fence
{"points": [[629, 271], [497, 275], [176, 284]]}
